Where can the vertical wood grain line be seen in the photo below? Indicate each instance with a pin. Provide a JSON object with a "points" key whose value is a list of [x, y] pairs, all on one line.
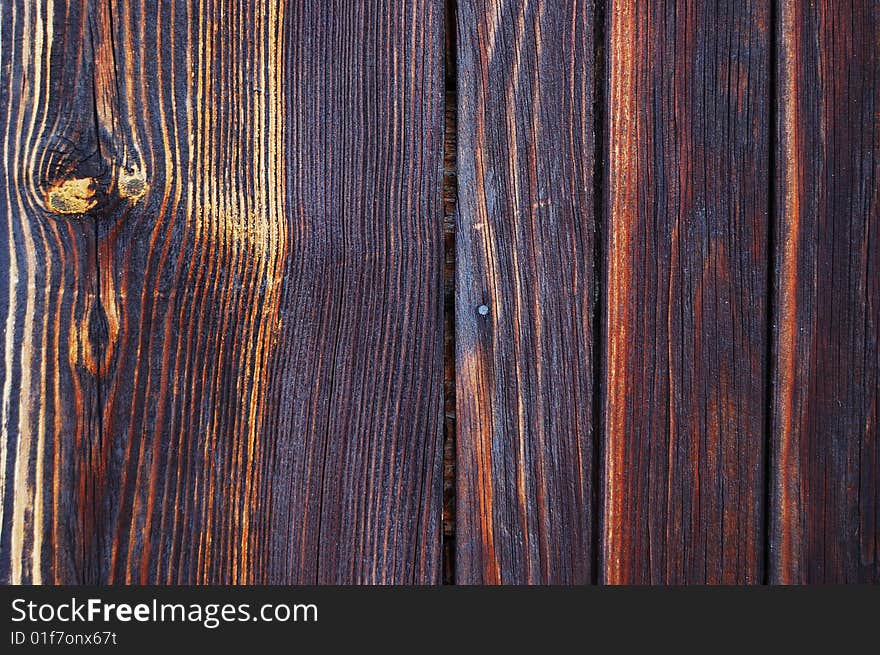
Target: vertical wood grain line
{"points": [[450, 208], [600, 268], [771, 308]]}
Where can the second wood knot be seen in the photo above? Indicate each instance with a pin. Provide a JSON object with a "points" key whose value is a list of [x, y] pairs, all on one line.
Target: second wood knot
{"points": [[132, 183]]}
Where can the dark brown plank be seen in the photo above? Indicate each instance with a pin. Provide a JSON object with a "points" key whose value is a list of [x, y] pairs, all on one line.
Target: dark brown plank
{"points": [[50, 320], [261, 325], [826, 456], [686, 320], [525, 292], [356, 488]]}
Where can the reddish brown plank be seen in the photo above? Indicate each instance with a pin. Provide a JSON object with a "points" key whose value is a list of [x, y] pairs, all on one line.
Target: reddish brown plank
{"points": [[688, 112], [826, 456], [526, 292]]}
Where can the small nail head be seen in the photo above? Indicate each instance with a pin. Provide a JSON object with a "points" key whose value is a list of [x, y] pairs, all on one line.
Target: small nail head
{"points": [[482, 310]]}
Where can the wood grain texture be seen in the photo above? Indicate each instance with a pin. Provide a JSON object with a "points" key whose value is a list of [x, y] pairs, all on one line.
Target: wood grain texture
{"points": [[356, 482], [493, 291], [826, 466], [223, 314], [688, 120], [50, 409], [526, 233], [191, 103]]}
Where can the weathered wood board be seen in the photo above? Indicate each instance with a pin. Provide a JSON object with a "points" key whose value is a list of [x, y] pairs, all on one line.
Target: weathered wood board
{"points": [[223, 315], [687, 292], [474, 291], [825, 497], [526, 292]]}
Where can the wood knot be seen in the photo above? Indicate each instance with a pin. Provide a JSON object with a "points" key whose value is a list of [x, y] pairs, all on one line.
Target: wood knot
{"points": [[132, 183], [73, 196], [93, 336], [79, 195]]}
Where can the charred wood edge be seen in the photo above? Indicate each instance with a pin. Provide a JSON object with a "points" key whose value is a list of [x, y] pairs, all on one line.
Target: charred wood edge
{"points": [[450, 204]]}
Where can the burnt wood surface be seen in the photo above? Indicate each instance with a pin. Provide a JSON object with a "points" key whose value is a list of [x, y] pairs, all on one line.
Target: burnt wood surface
{"points": [[526, 291], [223, 315], [826, 458], [474, 291], [687, 284], [52, 323]]}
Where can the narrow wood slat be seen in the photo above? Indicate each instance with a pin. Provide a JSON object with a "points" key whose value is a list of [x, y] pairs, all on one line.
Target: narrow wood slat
{"points": [[526, 292], [826, 456], [688, 115], [261, 326]]}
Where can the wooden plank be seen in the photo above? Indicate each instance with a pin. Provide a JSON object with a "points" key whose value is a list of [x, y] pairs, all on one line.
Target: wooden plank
{"points": [[525, 292], [50, 318], [686, 319], [266, 327], [190, 107], [826, 457], [381, 243]]}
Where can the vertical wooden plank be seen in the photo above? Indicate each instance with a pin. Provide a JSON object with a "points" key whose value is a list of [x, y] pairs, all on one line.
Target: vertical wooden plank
{"points": [[526, 292], [826, 458], [355, 491], [193, 235], [226, 239], [49, 323], [686, 318]]}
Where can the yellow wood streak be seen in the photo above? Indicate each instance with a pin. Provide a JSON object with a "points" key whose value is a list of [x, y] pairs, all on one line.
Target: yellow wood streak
{"points": [[481, 401], [246, 225], [786, 475]]}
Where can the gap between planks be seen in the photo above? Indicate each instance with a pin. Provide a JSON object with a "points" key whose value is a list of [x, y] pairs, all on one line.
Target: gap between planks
{"points": [[450, 204]]}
